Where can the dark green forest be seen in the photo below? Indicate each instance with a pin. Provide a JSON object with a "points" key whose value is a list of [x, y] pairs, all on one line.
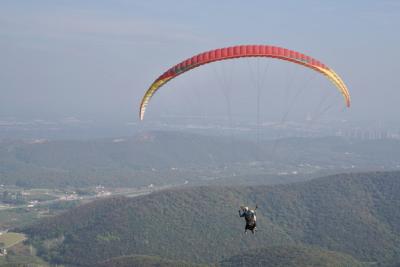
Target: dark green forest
{"points": [[291, 256], [145, 261], [353, 218]]}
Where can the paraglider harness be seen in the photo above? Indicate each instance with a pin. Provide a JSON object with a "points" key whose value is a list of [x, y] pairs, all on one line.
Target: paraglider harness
{"points": [[250, 217]]}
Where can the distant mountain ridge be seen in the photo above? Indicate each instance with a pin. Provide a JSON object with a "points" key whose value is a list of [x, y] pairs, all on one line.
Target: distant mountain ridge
{"points": [[172, 157], [354, 214]]}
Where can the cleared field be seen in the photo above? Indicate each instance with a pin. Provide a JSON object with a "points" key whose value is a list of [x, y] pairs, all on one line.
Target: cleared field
{"points": [[22, 255], [16, 217], [10, 239]]}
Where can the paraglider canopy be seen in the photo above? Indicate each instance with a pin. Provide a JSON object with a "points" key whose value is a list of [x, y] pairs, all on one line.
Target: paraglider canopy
{"points": [[239, 52]]}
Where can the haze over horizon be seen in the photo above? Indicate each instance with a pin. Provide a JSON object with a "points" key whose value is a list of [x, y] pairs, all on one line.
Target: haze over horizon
{"points": [[93, 60]]}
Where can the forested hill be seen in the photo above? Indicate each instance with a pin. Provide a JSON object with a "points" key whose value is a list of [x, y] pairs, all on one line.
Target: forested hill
{"points": [[291, 256], [144, 261], [283, 256], [354, 214]]}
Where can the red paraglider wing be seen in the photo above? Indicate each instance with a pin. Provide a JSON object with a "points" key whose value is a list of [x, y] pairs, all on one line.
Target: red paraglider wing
{"points": [[243, 51]]}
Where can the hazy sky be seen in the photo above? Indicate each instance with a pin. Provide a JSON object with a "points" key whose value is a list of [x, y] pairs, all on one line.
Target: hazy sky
{"points": [[95, 59]]}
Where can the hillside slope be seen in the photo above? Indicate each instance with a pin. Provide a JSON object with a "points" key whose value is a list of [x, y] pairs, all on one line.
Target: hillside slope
{"points": [[281, 256], [291, 256], [144, 261], [357, 214]]}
